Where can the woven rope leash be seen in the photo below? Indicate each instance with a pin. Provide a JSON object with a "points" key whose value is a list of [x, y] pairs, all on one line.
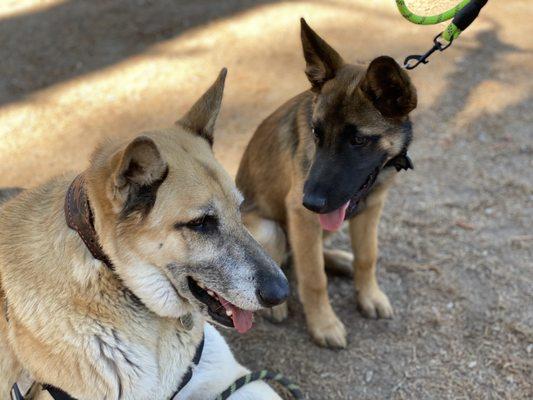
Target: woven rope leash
{"points": [[463, 15], [450, 33], [263, 375]]}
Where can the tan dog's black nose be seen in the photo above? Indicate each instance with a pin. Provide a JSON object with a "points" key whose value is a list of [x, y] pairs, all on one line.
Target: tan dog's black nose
{"points": [[273, 296], [273, 290], [271, 284]]}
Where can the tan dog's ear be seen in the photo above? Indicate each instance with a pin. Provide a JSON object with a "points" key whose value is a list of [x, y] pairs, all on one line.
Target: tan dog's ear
{"points": [[203, 114], [389, 88], [321, 59], [140, 172]]}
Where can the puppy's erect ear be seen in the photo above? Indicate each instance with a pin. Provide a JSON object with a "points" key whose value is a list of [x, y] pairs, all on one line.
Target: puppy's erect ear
{"points": [[389, 88], [322, 61], [203, 114], [140, 172]]}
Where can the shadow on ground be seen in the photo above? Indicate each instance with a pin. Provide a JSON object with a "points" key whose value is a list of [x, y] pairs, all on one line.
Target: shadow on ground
{"points": [[77, 37]]}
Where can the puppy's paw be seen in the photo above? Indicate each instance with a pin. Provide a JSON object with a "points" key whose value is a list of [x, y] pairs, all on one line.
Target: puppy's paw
{"points": [[373, 303], [328, 332], [276, 314]]}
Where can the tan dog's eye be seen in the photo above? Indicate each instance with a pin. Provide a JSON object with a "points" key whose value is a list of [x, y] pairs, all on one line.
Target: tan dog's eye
{"points": [[204, 224], [195, 223]]}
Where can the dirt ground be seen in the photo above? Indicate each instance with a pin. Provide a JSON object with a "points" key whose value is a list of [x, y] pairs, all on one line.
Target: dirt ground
{"points": [[456, 240]]}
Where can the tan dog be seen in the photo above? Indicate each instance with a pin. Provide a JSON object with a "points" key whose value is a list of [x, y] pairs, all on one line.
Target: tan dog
{"points": [[326, 156], [166, 217]]}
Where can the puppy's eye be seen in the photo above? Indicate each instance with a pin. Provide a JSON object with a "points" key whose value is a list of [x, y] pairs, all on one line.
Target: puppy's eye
{"points": [[317, 134], [357, 140]]}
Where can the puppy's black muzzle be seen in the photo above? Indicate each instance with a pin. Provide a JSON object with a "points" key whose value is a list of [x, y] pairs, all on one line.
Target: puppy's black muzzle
{"points": [[334, 180], [315, 202]]}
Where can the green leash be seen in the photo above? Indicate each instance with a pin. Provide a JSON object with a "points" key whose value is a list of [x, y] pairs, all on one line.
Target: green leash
{"points": [[463, 15], [261, 376]]}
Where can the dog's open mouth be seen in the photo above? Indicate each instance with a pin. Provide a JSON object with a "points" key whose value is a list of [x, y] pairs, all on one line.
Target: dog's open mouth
{"points": [[333, 220], [221, 310]]}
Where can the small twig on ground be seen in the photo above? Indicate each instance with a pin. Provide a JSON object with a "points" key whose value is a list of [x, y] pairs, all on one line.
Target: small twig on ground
{"points": [[464, 225], [522, 238], [398, 385], [415, 267]]}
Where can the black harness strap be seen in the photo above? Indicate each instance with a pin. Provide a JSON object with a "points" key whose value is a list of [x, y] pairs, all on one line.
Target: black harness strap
{"points": [[188, 375], [15, 393], [58, 394]]}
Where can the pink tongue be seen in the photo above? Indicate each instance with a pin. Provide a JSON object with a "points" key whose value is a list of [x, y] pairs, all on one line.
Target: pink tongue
{"points": [[332, 221], [242, 319]]}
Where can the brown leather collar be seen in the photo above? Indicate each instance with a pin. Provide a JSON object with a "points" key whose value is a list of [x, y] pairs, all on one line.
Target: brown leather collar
{"points": [[79, 217]]}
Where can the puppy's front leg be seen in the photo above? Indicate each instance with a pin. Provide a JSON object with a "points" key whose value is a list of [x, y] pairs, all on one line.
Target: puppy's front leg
{"points": [[364, 236], [305, 237]]}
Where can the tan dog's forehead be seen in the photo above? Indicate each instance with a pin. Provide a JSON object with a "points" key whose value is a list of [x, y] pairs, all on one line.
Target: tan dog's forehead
{"points": [[196, 182]]}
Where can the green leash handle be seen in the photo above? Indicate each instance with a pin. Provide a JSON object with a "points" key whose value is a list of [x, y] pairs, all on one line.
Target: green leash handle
{"points": [[430, 19], [463, 15], [463, 19]]}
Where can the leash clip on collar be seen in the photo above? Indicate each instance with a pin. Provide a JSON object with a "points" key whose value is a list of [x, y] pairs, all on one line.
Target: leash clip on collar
{"points": [[463, 15], [415, 60]]}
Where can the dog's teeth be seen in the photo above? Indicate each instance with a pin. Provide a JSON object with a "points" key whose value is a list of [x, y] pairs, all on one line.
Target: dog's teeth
{"points": [[210, 293], [229, 313]]}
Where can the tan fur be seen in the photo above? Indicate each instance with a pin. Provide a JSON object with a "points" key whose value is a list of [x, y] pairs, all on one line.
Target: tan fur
{"points": [[275, 166], [71, 321], [305, 236], [364, 237], [9, 365]]}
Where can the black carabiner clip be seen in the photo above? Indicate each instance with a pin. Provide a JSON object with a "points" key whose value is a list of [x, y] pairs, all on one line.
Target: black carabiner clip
{"points": [[423, 59]]}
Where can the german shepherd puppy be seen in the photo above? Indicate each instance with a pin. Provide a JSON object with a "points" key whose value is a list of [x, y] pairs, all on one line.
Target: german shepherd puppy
{"points": [[167, 217], [326, 156]]}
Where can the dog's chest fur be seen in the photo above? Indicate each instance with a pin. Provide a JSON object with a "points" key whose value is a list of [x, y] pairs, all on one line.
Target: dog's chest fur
{"points": [[144, 366], [141, 368], [73, 324], [135, 355]]}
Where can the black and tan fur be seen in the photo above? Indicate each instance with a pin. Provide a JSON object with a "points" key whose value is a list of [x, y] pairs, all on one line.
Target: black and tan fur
{"points": [[318, 144]]}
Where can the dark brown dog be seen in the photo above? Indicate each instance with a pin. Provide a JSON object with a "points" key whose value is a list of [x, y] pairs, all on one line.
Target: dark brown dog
{"points": [[326, 156]]}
